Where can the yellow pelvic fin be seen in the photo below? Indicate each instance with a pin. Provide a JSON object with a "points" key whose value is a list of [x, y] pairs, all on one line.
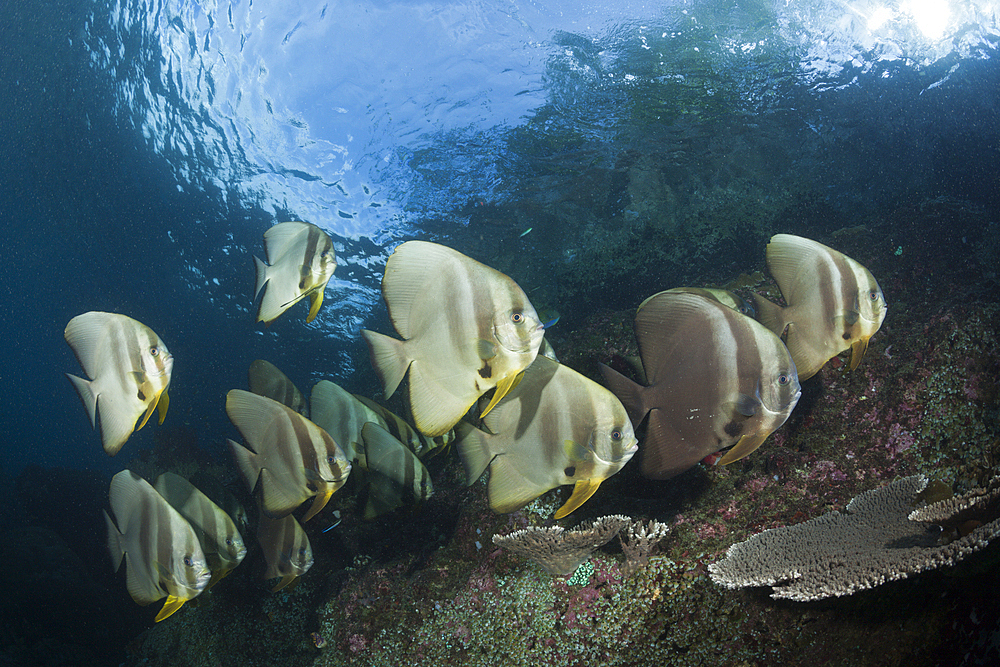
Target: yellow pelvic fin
{"points": [[162, 404], [582, 492], [322, 498], [744, 446], [504, 386], [172, 604], [858, 349], [315, 301], [285, 580], [149, 410]]}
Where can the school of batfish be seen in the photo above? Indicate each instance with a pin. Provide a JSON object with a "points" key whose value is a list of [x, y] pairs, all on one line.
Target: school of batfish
{"points": [[709, 377]]}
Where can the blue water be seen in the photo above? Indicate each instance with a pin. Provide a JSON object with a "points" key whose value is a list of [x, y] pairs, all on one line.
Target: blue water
{"points": [[146, 147]]}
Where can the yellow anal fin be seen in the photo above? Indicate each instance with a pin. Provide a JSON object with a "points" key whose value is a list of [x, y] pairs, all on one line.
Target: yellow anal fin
{"points": [[858, 349], [744, 446], [504, 386], [172, 604], [315, 301], [162, 404], [582, 492], [322, 498]]}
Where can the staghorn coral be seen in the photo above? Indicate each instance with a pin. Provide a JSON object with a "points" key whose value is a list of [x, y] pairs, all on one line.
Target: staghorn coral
{"points": [[879, 538], [561, 551], [638, 539]]}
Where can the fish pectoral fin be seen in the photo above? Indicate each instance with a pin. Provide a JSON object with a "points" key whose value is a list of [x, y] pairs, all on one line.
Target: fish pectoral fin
{"points": [[858, 349], [322, 498], [172, 604], [744, 446], [848, 318], [575, 451], [315, 301], [746, 405], [486, 349], [582, 492], [504, 386]]}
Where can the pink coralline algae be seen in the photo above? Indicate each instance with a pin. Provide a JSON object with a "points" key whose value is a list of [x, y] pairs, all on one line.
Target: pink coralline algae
{"points": [[899, 440], [357, 643]]}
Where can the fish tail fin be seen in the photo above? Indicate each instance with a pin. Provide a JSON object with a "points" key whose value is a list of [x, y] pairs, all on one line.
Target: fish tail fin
{"points": [[114, 542], [246, 461], [628, 392], [261, 276], [87, 395], [474, 448], [389, 359], [770, 314]]}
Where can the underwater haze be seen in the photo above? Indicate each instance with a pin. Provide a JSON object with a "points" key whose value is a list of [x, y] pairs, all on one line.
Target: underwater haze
{"points": [[595, 151]]}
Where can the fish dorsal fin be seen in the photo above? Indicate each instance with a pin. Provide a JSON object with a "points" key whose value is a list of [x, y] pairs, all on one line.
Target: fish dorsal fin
{"points": [[283, 237], [665, 321], [414, 270], [87, 334], [792, 261], [125, 495], [508, 489]]}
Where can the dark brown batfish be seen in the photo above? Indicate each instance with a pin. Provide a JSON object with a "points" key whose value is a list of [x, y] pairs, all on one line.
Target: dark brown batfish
{"points": [[716, 379]]}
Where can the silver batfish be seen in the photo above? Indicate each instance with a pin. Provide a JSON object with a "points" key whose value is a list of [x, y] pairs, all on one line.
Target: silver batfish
{"points": [[300, 262], [466, 329], [267, 380], [290, 460], [286, 549], [220, 541], [556, 427], [130, 369], [162, 554], [834, 303]]}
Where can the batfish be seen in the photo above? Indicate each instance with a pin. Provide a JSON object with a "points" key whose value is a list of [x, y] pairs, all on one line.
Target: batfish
{"points": [[300, 262], [834, 303], [396, 477], [160, 548], [220, 541], [466, 329], [716, 379], [556, 427], [266, 380], [290, 460], [130, 369], [286, 549]]}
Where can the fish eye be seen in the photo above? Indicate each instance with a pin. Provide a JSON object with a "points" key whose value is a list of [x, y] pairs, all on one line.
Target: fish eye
{"points": [[331, 459], [873, 295], [616, 435], [188, 561], [154, 351], [783, 379], [517, 318]]}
